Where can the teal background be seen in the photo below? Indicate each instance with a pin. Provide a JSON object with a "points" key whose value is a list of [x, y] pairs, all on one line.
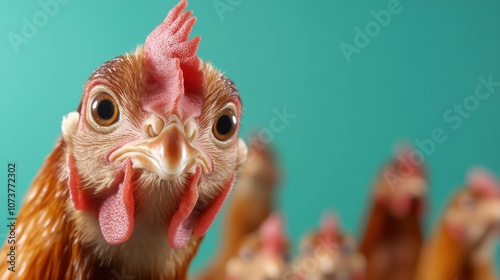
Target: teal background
{"points": [[348, 116]]}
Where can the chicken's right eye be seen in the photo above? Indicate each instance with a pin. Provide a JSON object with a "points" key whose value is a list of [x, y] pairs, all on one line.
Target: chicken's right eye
{"points": [[104, 109]]}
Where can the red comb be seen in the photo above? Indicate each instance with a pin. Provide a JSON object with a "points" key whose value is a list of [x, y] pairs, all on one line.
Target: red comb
{"points": [[407, 162], [273, 235], [173, 71], [259, 145], [484, 182], [329, 227]]}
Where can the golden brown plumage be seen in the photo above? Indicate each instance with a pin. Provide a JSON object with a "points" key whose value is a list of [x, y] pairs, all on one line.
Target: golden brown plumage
{"points": [[142, 168]]}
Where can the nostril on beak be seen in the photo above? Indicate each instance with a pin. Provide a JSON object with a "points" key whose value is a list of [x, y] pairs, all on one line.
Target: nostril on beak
{"points": [[150, 131], [190, 130], [153, 126]]}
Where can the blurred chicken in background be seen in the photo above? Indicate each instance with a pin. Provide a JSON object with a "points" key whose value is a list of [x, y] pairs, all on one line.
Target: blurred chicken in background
{"points": [[263, 254], [251, 203], [391, 246], [392, 237], [464, 242], [328, 254]]}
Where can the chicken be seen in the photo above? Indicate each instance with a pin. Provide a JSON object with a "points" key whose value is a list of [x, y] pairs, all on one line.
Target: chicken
{"points": [[463, 245], [393, 237], [141, 170], [254, 190], [328, 254], [263, 254]]}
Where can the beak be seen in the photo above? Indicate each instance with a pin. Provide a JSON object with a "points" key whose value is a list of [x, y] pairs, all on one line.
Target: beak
{"points": [[273, 269], [168, 149], [328, 265], [489, 212], [415, 187], [411, 190]]}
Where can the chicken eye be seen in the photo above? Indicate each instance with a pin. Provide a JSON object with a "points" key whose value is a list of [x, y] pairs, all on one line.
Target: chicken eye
{"points": [[347, 249], [225, 125], [467, 202], [246, 254], [104, 109]]}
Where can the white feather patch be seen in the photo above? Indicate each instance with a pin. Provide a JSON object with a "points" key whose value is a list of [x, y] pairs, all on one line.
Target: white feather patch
{"points": [[69, 125]]}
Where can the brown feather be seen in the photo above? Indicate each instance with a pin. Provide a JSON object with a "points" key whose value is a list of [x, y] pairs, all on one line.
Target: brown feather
{"points": [[391, 243]]}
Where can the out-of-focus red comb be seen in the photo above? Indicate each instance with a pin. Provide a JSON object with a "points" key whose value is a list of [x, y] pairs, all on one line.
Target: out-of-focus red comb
{"points": [[273, 235], [329, 227], [484, 182], [406, 162], [173, 71], [257, 144]]}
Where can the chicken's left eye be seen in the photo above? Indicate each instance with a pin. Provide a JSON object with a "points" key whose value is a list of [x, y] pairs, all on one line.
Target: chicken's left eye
{"points": [[225, 125], [104, 109]]}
